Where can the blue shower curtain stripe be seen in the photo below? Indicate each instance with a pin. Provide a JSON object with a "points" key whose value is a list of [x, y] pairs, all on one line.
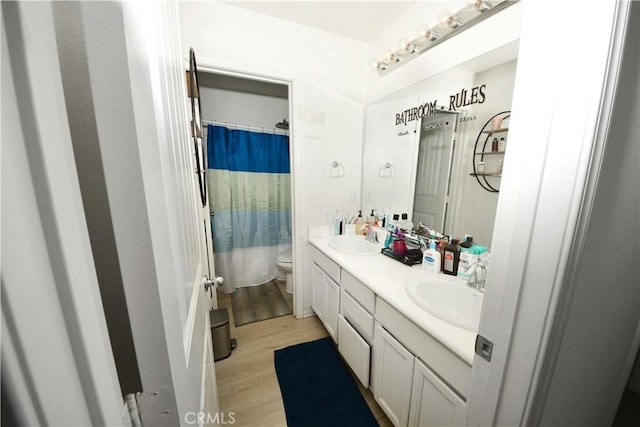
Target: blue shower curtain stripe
{"points": [[259, 229], [247, 151], [250, 197]]}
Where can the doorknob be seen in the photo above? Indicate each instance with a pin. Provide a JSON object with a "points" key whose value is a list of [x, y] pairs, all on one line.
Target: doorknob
{"points": [[211, 283]]}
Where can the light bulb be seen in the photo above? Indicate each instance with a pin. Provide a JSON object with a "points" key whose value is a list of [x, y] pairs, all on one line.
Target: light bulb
{"points": [[390, 56], [483, 5], [377, 65], [425, 33], [448, 19], [479, 5], [422, 30], [406, 47]]}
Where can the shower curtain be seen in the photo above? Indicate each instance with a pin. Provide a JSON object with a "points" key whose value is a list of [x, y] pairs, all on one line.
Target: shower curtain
{"points": [[250, 201]]}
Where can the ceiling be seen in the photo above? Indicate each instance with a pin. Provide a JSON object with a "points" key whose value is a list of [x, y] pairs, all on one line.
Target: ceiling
{"points": [[360, 20]]}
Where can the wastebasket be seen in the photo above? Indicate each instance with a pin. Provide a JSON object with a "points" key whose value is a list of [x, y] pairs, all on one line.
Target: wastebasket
{"points": [[220, 334]]}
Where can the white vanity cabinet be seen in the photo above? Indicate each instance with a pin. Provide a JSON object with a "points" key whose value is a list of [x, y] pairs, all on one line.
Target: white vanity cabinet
{"points": [[415, 378], [433, 403], [408, 389], [392, 376], [325, 296]]}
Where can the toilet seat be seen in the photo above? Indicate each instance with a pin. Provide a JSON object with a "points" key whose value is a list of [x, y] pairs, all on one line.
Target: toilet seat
{"points": [[285, 257], [284, 260]]}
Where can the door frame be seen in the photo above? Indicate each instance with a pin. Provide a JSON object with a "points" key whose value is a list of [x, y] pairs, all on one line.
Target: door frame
{"points": [[57, 300], [543, 204], [209, 65]]}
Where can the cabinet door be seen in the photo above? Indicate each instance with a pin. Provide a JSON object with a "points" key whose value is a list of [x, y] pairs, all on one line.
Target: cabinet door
{"points": [[318, 298], [393, 374], [354, 350], [332, 307], [433, 403]]}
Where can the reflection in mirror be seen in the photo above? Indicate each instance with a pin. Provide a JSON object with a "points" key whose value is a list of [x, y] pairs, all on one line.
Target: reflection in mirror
{"points": [[427, 132], [435, 149]]}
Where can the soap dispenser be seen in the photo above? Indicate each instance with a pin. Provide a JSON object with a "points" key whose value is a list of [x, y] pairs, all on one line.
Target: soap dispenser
{"points": [[359, 224], [372, 218]]}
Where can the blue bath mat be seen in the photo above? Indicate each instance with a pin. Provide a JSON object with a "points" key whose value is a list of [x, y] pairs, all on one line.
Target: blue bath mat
{"points": [[318, 389]]}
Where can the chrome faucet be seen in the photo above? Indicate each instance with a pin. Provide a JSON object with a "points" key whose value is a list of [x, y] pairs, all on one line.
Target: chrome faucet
{"points": [[474, 281], [372, 236]]}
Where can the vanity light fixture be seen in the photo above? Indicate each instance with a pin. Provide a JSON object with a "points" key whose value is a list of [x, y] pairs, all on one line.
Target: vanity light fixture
{"points": [[449, 25]]}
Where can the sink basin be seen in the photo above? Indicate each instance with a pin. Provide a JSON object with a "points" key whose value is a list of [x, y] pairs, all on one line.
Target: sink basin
{"points": [[447, 298], [353, 245]]}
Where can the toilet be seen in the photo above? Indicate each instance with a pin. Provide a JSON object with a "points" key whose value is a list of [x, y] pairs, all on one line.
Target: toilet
{"points": [[285, 262]]}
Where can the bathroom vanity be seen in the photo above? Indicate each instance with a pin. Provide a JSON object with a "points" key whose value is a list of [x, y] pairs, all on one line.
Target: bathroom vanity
{"points": [[417, 365]]}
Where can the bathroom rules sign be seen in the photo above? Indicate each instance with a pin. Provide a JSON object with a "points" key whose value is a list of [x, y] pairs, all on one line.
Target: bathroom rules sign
{"points": [[462, 98]]}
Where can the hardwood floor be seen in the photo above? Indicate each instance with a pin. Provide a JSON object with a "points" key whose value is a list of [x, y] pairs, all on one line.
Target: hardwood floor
{"points": [[247, 382]]}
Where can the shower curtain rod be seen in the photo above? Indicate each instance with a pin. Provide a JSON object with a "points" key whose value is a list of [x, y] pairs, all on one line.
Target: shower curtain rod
{"points": [[246, 127]]}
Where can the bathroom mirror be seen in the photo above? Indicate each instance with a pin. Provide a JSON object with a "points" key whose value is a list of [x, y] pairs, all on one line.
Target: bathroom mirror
{"points": [[420, 155]]}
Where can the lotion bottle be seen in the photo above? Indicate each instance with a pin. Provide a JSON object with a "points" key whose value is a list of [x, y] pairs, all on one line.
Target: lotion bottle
{"points": [[431, 259]]}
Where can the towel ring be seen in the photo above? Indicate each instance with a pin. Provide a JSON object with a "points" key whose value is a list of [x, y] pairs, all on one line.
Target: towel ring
{"points": [[386, 170], [335, 170]]}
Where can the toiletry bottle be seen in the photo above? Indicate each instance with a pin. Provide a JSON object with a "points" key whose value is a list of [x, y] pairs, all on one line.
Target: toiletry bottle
{"points": [[372, 219], [431, 259], [468, 241], [336, 223], [467, 259], [494, 145], [500, 164], [405, 224], [480, 167], [502, 144], [395, 221], [389, 240], [451, 258], [359, 224]]}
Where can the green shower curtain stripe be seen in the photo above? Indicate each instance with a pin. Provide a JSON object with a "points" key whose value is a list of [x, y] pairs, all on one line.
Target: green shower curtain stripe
{"points": [[247, 191]]}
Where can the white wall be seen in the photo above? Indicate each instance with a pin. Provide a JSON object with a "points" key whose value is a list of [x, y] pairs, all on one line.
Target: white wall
{"points": [[242, 108], [328, 92]]}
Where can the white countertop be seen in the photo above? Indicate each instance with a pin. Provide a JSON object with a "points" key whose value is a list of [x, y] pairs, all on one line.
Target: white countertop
{"points": [[386, 278]]}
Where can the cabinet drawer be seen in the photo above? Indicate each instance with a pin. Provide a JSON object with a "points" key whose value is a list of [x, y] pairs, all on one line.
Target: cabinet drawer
{"points": [[359, 292], [359, 318], [331, 268], [355, 350]]}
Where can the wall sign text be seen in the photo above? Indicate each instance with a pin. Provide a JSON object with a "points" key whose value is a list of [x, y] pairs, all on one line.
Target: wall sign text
{"points": [[425, 110], [475, 95]]}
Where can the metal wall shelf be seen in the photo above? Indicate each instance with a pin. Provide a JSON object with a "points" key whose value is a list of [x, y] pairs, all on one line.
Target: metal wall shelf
{"points": [[482, 153], [491, 185], [492, 131], [486, 174]]}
